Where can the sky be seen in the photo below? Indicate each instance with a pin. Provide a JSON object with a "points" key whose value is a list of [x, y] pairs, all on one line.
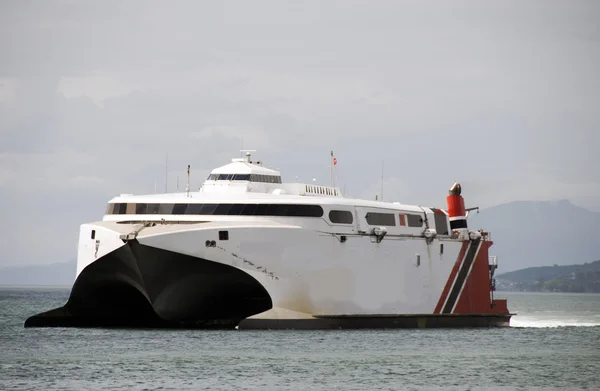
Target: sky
{"points": [[502, 96]]}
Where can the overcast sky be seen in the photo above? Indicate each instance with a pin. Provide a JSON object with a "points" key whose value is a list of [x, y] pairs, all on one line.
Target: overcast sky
{"points": [[502, 96]]}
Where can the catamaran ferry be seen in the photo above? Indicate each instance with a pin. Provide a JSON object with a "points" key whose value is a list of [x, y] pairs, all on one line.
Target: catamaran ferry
{"points": [[249, 251]]}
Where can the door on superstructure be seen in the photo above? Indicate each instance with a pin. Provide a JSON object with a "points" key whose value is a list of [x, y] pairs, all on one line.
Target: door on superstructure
{"points": [[361, 221]]}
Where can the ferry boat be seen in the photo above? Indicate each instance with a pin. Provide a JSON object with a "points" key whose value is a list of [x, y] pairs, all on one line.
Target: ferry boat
{"points": [[248, 251]]}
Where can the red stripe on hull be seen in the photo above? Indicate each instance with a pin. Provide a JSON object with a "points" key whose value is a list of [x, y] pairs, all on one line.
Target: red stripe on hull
{"points": [[452, 277], [475, 296]]}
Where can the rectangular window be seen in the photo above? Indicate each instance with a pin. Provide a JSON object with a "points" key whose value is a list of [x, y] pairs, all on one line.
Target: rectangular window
{"points": [[193, 209], [236, 209], [402, 220], [414, 220], [93, 234], [441, 223], [222, 209], [122, 209], [386, 219], [223, 235], [179, 209], [341, 217], [261, 210], [152, 209], [165, 209], [208, 209], [249, 209]]}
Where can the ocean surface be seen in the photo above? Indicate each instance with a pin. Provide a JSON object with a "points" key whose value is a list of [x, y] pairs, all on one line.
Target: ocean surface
{"points": [[553, 344]]}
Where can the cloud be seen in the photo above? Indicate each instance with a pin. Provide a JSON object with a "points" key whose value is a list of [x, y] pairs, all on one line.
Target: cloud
{"points": [[498, 96]]}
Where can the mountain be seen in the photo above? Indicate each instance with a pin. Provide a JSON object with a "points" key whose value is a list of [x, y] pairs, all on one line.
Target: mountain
{"points": [[56, 274], [539, 233], [572, 278]]}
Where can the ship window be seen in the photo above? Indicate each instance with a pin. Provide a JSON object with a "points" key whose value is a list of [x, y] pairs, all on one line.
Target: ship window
{"points": [[165, 209], [140, 209], [212, 177], [341, 217], [179, 209], [109, 209], [290, 210], [152, 209], [261, 209], [221, 209], [441, 223], [193, 209], [223, 235], [241, 177], [249, 209], [414, 220], [93, 234], [208, 209], [236, 209], [387, 219]]}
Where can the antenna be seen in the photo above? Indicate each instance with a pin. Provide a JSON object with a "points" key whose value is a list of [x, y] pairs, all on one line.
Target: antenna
{"points": [[177, 183], [331, 169], [242, 146], [166, 170], [382, 180], [187, 187]]}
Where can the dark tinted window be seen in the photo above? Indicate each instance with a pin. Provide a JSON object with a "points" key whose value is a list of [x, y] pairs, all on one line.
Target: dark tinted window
{"points": [[236, 209], [179, 209], [193, 209], [261, 210], [441, 222], [374, 218], [140, 209], [241, 177], [223, 209], [414, 220], [341, 217], [165, 209], [153, 209], [208, 209], [249, 209]]}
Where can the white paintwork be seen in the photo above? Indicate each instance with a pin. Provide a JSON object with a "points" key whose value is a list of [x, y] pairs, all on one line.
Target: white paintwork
{"points": [[301, 261]]}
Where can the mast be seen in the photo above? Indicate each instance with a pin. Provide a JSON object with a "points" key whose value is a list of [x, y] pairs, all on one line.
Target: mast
{"points": [[187, 187], [331, 169], [166, 170], [382, 180]]}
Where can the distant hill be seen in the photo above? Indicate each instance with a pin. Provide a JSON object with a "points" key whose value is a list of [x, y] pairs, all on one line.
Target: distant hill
{"points": [[572, 278], [532, 233], [56, 274]]}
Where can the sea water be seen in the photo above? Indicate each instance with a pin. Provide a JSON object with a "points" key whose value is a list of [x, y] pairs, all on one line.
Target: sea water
{"points": [[553, 344]]}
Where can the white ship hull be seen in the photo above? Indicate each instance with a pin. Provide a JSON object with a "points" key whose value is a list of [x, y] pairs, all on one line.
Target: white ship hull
{"points": [[371, 265]]}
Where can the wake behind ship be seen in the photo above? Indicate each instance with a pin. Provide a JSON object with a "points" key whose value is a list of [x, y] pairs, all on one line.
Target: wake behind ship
{"points": [[248, 251]]}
